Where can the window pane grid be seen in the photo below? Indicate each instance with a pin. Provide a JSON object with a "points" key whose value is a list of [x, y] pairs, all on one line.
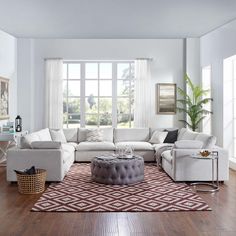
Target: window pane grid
{"points": [[89, 97]]}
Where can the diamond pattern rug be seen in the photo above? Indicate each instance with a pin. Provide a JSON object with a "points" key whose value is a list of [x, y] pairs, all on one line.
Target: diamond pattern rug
{"points": [[157, 193]]}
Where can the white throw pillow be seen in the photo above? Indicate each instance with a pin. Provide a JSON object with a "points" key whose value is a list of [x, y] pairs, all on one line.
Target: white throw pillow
{"points": [[25, 141], [158, 137], [58, 135], [46, 145], [94, 135]]}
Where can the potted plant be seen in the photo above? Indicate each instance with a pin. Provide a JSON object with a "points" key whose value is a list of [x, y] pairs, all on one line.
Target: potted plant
{"points": [[192, 104]]}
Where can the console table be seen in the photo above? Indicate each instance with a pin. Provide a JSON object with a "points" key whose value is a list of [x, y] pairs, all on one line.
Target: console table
{"points": [[9, 138]]}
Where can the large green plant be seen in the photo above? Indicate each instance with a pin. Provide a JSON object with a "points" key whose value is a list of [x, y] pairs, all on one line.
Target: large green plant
{"points": [[192, 104]]}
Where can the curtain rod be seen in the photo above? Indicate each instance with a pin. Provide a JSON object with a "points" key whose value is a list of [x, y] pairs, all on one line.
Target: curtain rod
{"points": [[139, 58], [145, 58], [53, 58]]}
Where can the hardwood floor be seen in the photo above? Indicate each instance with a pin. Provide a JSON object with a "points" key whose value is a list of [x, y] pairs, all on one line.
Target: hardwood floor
{"points": [[16, 218]]}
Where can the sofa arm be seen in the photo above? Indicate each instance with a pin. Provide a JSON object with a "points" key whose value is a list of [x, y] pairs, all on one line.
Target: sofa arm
{"points": [[188, 144], [48, 159], [182, 162]]}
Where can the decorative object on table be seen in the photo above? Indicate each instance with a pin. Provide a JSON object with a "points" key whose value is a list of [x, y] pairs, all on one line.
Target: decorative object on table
{"points": [[11, 127], [4, 98], [214, 186], [126, 152], [8, 127], [18, 124], [166, 98], [29, 183], [192, 105], [158, 193], [205, 153]]}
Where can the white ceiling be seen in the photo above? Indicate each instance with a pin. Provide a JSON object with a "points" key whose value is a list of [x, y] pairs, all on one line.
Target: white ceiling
{"points": [[114, 18]]}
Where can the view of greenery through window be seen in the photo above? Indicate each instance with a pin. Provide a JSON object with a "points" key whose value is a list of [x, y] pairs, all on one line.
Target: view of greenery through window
{"points": [[98, 94]]}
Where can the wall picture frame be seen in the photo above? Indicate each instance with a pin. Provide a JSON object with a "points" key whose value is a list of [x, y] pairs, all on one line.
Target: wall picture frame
{"points": [[166, 98], [4, 98]]}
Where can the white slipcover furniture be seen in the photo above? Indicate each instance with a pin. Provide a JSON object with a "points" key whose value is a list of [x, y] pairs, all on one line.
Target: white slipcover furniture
{"points": [[57, 161], [179, 165]]}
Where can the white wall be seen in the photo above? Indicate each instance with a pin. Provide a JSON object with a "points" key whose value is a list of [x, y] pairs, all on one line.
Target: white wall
{"points": [[8, 69], [216, 46], [167, 66], [193, 59]]}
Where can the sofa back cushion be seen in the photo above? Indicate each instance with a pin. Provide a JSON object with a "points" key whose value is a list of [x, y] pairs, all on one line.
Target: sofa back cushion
{"points": [[133, 134], [107, 134], [209, 141], [186, 134], [71, 134]]}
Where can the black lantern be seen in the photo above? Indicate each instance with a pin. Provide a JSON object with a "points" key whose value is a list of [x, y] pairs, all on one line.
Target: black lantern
{"points": [[18, 124]]}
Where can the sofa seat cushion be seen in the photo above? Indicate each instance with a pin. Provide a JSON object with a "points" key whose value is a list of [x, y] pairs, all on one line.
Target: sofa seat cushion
{"points": [[167, 156], [93, 146], [68, 151], [137, 146]]}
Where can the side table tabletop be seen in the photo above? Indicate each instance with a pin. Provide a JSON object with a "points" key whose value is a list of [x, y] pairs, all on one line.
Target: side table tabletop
{"points": [[10, 138], [214, 186]]}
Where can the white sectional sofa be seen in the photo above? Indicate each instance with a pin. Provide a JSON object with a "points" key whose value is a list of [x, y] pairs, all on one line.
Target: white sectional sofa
{"points": [[43, 151]]}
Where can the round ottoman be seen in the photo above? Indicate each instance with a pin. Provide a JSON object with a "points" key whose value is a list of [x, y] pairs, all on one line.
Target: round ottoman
{"points": [[118, 171]]}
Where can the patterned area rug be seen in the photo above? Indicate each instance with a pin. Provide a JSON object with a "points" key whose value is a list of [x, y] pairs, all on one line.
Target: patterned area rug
{"points": [[77, 193]]}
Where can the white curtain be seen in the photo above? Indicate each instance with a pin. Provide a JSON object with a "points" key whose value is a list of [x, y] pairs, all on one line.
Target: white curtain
{"points": [[54, 93], [142, 94]]}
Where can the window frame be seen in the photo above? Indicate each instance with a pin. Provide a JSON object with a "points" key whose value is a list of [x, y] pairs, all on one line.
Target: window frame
{"points": [[114, 96]]}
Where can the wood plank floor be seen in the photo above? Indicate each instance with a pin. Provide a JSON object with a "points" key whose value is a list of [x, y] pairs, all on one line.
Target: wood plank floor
{"points": [[16, 218]]}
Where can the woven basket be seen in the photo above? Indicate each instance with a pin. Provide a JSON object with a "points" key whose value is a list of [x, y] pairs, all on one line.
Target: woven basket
{"points": [[32, 184]]}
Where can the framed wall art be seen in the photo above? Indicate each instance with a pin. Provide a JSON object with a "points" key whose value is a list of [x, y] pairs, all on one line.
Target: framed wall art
{"points": [[166, 98], [4, 98]]}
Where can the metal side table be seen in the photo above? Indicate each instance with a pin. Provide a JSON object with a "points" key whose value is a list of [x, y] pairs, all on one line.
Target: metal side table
{"points": [[214, 186], [10, 138]]}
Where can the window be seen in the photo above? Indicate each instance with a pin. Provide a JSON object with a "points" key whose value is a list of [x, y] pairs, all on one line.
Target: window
{"points": [[98, 93], [206, 85]]}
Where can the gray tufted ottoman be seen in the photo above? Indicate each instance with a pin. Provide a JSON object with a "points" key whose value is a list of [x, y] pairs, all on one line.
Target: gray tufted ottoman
{"points": [[118, 171]]}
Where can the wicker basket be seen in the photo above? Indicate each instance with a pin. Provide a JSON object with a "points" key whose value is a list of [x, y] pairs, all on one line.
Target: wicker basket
{"points": [[32, 184]]}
